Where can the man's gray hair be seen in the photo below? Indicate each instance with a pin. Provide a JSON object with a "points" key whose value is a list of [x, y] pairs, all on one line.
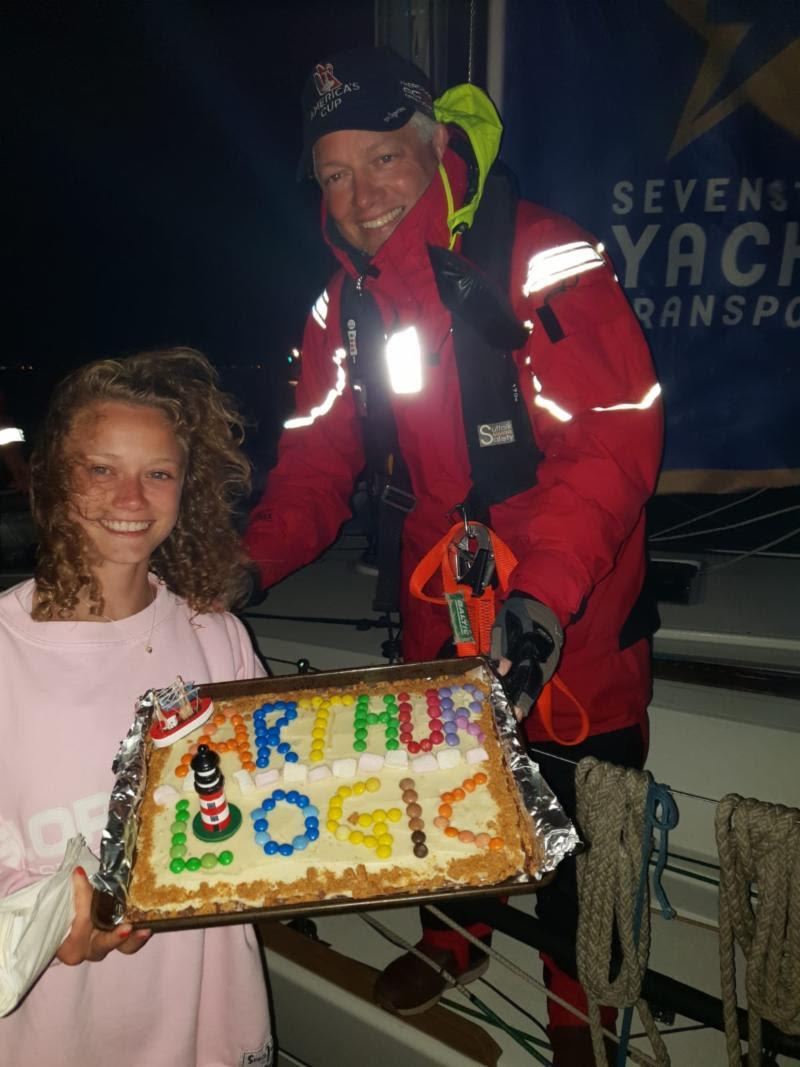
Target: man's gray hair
{"points": [[424, 125]]}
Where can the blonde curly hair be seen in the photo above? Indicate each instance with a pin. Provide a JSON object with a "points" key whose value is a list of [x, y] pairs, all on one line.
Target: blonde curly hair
{"points": [[202, 559]]}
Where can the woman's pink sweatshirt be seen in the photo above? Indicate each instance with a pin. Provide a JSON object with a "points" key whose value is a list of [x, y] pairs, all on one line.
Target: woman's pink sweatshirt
{"points": [[188, 999]]}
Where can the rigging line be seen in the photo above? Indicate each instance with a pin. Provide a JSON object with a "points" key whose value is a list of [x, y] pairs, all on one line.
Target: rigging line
{"points": [[290, 663], [525, 1039], [509, 1000], [633, 1053], [488, 1013], [707, 514], [730, 526], [672, 789], [752, 552]]}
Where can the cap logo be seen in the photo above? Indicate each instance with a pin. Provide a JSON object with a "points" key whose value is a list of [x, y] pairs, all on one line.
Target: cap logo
{"points": [[418, 94], [324, 78]]}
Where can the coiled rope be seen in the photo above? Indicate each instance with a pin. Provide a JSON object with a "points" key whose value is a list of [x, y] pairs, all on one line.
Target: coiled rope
{"points": [[617, 811], [759, 846]]}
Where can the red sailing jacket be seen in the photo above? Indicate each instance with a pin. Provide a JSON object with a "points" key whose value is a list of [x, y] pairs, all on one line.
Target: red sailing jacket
{"points": [[578, 534]]}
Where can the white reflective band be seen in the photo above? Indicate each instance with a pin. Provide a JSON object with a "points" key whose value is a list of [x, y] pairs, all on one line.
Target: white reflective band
{"points": [[559, 263], [551, 406], [327, 403], [404, 360], [649, 399], [319, 311], [11, 435]]}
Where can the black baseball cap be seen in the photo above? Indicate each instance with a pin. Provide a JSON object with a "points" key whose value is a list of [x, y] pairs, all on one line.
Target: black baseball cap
{"points": [[361, 89]]}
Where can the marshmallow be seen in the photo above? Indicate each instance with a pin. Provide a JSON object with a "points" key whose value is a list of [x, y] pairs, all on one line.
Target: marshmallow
{"points": [[369, 762], [245, 782], [477, 755], [447, 758], [295, 772], [424, 763], [265, 778], [344, 768], [319, 773], [398, 759], [165, 794]]}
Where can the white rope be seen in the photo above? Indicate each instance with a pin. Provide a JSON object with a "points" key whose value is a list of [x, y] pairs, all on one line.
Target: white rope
{"points": [[759, 843], [611, 808]]}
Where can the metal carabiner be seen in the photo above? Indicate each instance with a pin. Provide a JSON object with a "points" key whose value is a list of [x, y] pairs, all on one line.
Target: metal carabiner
{"points": [[473, 566]]}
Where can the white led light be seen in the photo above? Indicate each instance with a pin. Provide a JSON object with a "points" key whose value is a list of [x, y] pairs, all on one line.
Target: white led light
{"points": [[404, 361]]}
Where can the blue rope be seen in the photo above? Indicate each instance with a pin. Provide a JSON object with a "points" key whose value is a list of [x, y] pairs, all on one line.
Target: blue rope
{"points": [[661, 815]]}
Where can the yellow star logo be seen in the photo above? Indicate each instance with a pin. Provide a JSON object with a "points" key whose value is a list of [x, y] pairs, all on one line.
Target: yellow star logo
{"points": [[773, 88]]}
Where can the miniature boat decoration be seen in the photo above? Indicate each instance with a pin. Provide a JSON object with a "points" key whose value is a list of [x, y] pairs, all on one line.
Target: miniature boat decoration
{"points": [[178, 709]]}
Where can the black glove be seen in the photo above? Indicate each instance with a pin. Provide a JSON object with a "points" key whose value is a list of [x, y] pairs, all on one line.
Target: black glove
{"points": [[528, 633]]}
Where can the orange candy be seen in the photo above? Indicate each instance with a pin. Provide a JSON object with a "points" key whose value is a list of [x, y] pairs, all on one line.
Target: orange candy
{"points": [[181, 771], [480, 778], [496, 844], [482, 840], [450, 831], [237, 720], [248, 765], [445, 810], [458, 794], [447, 798], [469, 785], [203, 739], [219, 719], [466, 836], [186, 757]]}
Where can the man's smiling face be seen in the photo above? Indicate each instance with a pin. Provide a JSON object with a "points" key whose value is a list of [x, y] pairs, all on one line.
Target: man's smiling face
{"points": [[371, 180]]}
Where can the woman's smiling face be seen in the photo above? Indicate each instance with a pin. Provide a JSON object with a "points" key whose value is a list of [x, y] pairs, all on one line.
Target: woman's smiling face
{"points": [[128, 475]]}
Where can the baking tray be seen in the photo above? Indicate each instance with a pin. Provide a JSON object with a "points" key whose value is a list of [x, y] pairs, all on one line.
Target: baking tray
{"points": [[551, 825]]}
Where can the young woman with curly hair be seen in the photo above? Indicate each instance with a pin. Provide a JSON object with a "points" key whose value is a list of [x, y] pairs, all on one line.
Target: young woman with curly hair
{"points": [[133, 488]]}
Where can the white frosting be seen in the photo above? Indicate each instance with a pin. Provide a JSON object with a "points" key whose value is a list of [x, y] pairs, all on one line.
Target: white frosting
{"points": [[338, 847]]}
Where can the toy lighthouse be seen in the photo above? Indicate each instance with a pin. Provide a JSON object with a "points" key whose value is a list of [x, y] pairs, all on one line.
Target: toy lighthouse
{"points": [[216, 820]]}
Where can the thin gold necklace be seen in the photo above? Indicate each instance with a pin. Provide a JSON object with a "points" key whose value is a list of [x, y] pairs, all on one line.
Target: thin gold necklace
{"points": [[149, 643]]}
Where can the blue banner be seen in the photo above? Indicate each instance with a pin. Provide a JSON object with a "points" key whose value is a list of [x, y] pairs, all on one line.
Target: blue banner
{"points": [[670, 130]]}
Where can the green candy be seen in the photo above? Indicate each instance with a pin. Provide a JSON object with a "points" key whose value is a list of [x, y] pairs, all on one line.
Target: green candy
{"points": [[182, 805], [179, 838], [183, 815], [177, 865], [359, 746], [361, 734], [392, 743], [193, 864], [178, 851], [225, 858], [177, 827], [389, 699], [391, 731], [372, 718], [208, 860]]}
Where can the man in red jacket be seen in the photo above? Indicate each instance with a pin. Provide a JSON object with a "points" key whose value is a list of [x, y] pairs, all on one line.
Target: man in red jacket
{"points": [[573, 417]]}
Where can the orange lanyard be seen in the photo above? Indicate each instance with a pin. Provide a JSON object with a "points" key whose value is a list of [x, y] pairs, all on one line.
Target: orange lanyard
{"points": [[472, 617]]}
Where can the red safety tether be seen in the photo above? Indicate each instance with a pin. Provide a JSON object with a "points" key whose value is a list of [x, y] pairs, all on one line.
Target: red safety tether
{"points": [[475, 638]]}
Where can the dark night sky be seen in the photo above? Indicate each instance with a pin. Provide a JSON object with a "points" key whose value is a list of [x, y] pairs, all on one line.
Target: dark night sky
{"points": [[152, 167]]}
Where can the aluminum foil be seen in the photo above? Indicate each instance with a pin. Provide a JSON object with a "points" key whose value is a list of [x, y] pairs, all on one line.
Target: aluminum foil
{"points": [[118, 841], [554, 830]]}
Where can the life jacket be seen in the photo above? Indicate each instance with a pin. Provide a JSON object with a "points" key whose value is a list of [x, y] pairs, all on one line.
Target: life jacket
{"points": [[503, 454]]}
